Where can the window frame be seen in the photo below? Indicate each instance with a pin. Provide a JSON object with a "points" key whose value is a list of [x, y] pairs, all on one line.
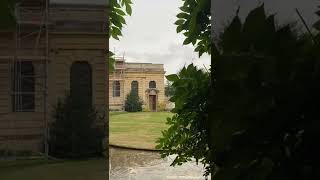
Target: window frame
{"points": [[151, 85], [23, 87], [116, 89]]}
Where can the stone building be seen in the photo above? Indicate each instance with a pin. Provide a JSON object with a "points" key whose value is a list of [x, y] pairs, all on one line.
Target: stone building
{"points": [[55, 47], [148, 78]]}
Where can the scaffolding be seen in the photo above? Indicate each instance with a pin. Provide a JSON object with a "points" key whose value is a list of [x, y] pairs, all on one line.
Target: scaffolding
{"points": [[32, 21], [119, 75], [30, 43]]}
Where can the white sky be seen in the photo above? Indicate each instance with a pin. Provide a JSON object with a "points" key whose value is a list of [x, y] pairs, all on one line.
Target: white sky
{"points": [[150, 36]]}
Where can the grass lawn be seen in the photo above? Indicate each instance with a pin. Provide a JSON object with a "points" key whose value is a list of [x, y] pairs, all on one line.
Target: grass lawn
{"points": [[94, 169], [138, 130]]}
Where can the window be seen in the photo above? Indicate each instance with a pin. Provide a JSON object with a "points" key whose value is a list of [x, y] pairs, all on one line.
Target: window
{"points": [[23, 87], [152, 84], [116, 89], [135, 86]]}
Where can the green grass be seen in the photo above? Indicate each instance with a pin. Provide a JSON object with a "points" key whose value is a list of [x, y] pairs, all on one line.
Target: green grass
{"points": [[93, 169], [137, 130]]}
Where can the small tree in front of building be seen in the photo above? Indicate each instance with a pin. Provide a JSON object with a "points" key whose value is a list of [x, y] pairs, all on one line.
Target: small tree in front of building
{"points": [[75, 133], [133, 102]]}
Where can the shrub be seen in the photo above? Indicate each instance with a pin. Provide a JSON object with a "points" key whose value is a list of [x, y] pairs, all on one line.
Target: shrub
{"points": [[161, 106], [74, 134], [133, 102], [145, 108]]}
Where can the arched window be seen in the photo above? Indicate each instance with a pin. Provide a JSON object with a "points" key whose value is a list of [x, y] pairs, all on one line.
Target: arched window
{"points": [[135, 86], [152, 84], [81, 82], [23, 87], [116, 89]]}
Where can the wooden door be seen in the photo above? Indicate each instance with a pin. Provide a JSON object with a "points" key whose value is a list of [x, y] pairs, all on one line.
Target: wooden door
{"points": [[153, 102]]}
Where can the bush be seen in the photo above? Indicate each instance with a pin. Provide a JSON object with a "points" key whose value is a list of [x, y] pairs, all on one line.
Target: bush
{"points": [[133, 102], [145, 108], [161, 106], [6, 153], [74, 134]]}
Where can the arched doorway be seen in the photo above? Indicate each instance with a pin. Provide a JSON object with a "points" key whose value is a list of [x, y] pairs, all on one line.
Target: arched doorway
{"points": [[81, 83]]}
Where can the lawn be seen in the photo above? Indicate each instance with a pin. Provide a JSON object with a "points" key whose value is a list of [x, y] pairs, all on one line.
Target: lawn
{"points": [[137, 130], [94, 169]]}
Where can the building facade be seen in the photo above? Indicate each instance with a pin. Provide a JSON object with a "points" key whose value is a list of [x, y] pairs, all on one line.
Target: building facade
{"points": [[147, 78], [54, 48]]}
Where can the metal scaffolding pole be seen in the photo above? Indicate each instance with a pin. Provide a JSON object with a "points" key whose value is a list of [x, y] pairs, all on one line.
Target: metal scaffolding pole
{"points": [[43, 60]]}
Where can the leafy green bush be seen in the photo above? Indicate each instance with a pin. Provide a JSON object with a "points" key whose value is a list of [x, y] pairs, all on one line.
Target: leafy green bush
{"points": [[145, 108], [161, 106], [74, 133], [133, 102], [6, 153]]}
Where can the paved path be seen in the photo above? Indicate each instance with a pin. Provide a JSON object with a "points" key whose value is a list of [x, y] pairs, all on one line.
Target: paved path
{"points": [[141, 165]]}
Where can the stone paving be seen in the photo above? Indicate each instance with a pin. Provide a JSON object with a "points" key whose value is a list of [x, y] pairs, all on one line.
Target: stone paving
{"points": [[145, 165]]}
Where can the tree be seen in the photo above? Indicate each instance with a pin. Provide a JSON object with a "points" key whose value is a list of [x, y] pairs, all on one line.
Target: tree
{"points": [[118, 10], [133, 102], [194, 21], [317, 26], [263, 107], [264, 100], [187, 136], [8, 19], [75, 133], [168, 89]]}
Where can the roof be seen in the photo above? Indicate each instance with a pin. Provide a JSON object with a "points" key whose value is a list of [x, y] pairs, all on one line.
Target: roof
{"points": [[80, 2]]}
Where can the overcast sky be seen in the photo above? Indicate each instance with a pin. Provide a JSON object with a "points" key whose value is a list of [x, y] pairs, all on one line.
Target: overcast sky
{"points": [[150, 36]]}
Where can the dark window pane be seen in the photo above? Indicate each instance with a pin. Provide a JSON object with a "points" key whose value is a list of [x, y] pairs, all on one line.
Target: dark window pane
{"points": [[135, 86], [116, 89], [152, 84], [23, 87]]}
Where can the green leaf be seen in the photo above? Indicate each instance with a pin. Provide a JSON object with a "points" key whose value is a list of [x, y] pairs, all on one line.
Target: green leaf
{"points": [[317, 25], [128, 9], [117, 31], [183, 16], [184, 8], [172, 77], [187, 41], [120, 12], [179, 22], [180, 28]]}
